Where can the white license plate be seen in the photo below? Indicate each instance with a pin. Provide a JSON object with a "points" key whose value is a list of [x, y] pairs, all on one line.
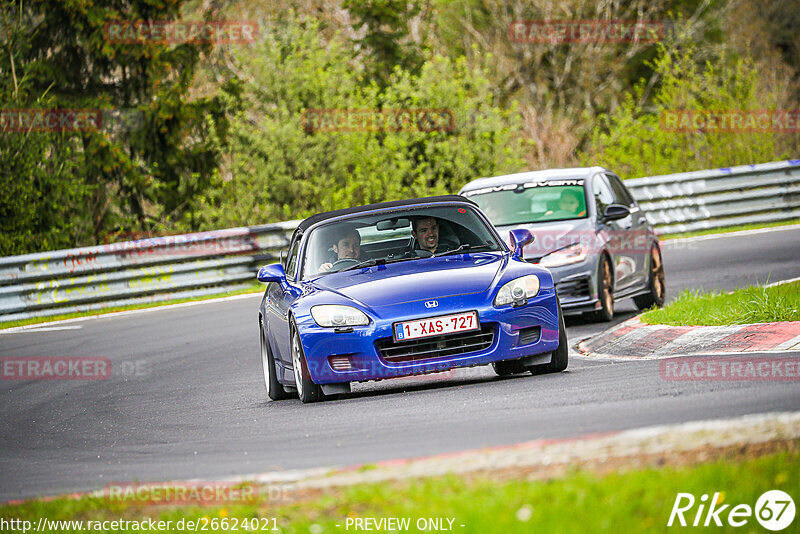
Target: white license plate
{"points": [[436, 326]]}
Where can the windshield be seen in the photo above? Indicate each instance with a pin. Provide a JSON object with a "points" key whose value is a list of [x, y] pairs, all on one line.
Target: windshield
{"points": [[554, 200], [393, 236]]}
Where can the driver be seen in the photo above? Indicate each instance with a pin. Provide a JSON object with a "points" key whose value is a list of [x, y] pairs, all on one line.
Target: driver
{"points": [[346, 245], [570, 202]]}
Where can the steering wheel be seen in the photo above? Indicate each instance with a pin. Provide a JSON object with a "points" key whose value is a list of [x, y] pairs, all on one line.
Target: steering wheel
{"points": [[343, 263]]}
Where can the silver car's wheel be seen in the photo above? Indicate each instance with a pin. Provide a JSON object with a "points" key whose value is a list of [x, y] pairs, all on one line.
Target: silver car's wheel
{"points": [[605, 291], [656, 284]]}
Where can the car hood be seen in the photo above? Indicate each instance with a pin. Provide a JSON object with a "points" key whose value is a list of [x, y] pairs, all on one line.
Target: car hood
{"points": [[551, 236], [409, 281]]}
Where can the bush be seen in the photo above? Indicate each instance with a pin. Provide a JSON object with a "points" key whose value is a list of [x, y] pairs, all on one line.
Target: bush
{"points": [[275, 169], [632, 141]]}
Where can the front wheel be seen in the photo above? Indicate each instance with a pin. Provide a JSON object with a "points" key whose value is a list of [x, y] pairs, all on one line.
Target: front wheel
{"points": [[560, 357], [655, 284], [275, 390], [509, 367], [605, 291], [307, 390]]}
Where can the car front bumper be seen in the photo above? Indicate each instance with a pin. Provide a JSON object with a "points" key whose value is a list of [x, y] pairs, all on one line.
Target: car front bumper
{"points": [[577, 286], [515, 333]]}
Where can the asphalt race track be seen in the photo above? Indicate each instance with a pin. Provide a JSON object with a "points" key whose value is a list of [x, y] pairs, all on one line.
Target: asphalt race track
{"points": [[187, 397]]}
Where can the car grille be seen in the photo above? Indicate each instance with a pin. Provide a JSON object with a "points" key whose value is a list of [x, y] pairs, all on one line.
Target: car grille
{"points": [[436, 347], [578, 287], [529, 335]]}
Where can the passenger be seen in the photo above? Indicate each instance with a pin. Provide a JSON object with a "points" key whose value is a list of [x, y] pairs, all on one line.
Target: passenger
{"points": [[426, 232]]}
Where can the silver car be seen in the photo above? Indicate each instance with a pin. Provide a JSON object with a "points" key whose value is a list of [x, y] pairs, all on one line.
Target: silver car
{"points": [[589, 231]]}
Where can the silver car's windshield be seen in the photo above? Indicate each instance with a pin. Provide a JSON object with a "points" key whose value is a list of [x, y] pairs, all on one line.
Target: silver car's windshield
{"points": [[398, 235], [532, 202]]}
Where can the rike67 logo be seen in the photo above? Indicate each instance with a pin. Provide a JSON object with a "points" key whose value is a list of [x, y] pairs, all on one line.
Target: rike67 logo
{"points": [[774, 510]]}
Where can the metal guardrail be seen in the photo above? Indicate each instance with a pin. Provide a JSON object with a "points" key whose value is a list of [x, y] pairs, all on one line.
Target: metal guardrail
{"points": [[206, 263], [716, 198], [135, 272]]}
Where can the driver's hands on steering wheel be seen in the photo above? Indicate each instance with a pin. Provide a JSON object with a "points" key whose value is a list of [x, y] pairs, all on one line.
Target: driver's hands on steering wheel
{"points": [[325, 267]]}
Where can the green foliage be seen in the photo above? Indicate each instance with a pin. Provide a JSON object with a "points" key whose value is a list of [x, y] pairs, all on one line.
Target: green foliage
{"points": [[631, 499], [634, 140], [757, 304], [71, 188], [277, 170], [384, 25]]}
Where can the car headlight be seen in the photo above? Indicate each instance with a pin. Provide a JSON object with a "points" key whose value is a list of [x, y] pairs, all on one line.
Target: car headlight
{"points": [[566, 256], [518, 291], [333, 315]]}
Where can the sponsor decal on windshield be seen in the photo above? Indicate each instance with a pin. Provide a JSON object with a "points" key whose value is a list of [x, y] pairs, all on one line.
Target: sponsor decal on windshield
{"points": [[526, 185]]}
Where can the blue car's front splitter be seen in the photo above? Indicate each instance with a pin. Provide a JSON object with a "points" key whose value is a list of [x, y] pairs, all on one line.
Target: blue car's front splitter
{"points": [[370, 353]]}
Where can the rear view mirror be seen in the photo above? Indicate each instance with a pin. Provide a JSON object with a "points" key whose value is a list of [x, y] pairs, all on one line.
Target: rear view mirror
{"points": [[393, 224], [615, 212], [272, 273], [519, 238]]}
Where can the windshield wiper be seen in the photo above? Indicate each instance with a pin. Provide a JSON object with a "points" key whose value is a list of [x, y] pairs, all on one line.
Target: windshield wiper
{"points": [[463, 247], [365, 263]]}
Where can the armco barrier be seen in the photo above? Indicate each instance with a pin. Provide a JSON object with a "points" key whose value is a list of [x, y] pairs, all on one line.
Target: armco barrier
{"points": [[147, 270], [165, 268], [716, 198]]}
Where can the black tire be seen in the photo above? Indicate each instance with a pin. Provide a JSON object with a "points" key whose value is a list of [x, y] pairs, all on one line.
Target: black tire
{"points": [[509, 367], [605, 290], [307, 390], [560, 358], [275, 390], [657, 287]]}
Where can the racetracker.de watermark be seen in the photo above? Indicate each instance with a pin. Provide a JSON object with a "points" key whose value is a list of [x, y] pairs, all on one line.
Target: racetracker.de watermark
{"points": [[193, 492], [180, 31], [69, 368], [70, 120], [378, 120], [588, 31], [730, 369], [731, 120]]}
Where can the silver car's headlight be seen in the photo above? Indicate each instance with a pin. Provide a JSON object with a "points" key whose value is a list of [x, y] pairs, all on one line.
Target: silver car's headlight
{"points": [[334, 315], [566, 256], [518, 291]]}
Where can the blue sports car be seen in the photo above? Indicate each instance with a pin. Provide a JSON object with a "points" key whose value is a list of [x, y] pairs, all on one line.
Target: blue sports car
{"points": [[404, 288]]}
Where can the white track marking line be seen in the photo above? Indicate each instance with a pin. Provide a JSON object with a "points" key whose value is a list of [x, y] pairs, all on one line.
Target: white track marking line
{"points": [[739, 233], [45, 329], [17, 329], [789, 281]]}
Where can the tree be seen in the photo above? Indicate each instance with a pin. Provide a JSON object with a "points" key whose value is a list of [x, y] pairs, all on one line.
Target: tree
{"points": [[385, 44], [149, 170]]}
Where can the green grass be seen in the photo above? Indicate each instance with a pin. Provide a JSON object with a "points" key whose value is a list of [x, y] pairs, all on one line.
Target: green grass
{"points": [[738, 228], [583, 501], [755, 304], [253, 288]]}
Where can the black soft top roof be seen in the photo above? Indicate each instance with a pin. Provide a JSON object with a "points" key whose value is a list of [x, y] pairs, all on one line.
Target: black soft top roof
{"points": [[314, 219]]}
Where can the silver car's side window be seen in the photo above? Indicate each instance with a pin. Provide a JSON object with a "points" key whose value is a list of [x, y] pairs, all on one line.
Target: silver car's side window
{"points": [[603, 195], [622, 195]]}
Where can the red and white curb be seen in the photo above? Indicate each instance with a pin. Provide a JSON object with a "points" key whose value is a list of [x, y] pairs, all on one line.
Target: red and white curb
{"points": [[635, 340]]}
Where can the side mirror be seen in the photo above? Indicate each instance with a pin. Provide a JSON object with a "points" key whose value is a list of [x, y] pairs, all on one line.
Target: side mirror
{"points": [[272, 273], [615, 212], [519, 238]]}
